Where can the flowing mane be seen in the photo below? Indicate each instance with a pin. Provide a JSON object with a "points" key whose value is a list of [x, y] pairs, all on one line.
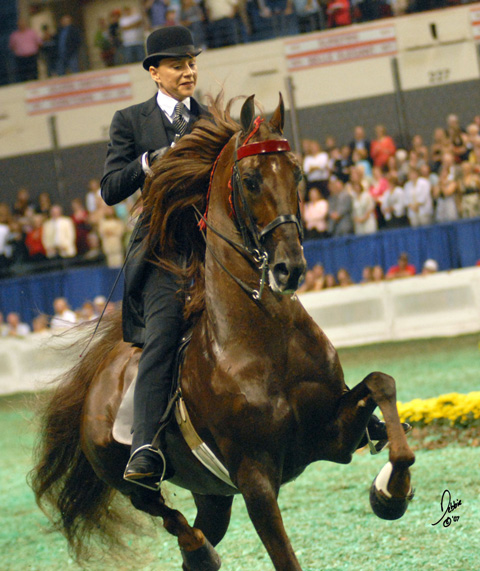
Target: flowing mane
{"points": [[180, 181]]}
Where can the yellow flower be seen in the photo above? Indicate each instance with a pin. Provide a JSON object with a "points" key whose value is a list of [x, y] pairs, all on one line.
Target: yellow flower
{"points": [[453, 408]]}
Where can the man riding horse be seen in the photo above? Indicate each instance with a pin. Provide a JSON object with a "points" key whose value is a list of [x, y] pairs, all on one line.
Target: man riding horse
{"points": [[152, 305]]}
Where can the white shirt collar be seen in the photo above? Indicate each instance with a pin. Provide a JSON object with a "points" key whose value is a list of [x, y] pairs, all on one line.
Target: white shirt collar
{"points": [[167, 104]]}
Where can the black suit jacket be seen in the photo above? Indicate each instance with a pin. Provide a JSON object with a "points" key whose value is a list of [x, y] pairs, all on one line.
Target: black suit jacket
{"points": [[134, 131]]}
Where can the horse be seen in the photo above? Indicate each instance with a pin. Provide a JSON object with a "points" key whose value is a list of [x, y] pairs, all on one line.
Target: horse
{"points": [[260, 381]]}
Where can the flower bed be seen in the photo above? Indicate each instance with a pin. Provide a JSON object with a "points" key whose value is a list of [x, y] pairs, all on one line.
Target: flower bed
{"points": [[453, 409]]}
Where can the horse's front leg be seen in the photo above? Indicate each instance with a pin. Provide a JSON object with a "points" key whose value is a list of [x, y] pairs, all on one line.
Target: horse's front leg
{"points": [[391, 490], [258, 481]]}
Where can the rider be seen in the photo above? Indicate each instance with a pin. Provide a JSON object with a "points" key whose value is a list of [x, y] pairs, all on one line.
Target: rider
{"points": [[152, 308]]}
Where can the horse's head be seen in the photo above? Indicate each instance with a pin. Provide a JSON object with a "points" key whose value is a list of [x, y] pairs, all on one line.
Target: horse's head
{"points": [[265, 197]]}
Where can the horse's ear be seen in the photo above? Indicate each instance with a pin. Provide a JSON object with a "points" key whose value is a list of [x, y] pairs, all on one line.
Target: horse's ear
{"points": [[247, 114], [278, 119]]}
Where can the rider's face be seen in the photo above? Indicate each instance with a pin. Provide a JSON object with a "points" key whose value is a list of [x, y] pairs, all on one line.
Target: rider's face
{"points": [[176, 77]]}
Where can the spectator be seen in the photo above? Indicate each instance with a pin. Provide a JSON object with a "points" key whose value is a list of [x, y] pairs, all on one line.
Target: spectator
{"points": [[319, 275], [25, 44], [429, 267], [222, 24], [418, 198], [363, 213], [99, 305], [92, 195], [3, 326], [316, 166], [474, 155], [343, 278], [131, 25], [86, 312], [15, 327], [282, 17], [469, 191], [111, 230], [94, 255], [64, 316], [457, 138], [69, 41], [421, 150], [156, 11], [82, 227], [40, 324], [310, 15], [441, 144], [367, 275], [377, 190], [48, 50], [44, 203], [393, 206], [359, 159], [339, 209], [338, 13], [330, 281], [471, 134], [103, 42], [402, 270], [5, 250], [360, 142], [445, 192], [342, 164], [58, 235], [378, 274], [192, 17], [308, 283], [315, 213], [382, 147], [115, 35], [16, 243], [23, 207], [33, 240]]}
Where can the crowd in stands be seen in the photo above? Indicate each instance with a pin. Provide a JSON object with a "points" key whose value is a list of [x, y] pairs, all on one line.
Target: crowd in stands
{"points": [[120, 33], [36, 235]]}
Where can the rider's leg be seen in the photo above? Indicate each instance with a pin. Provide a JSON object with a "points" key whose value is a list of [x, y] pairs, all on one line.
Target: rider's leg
{"points": [[163, 327]]}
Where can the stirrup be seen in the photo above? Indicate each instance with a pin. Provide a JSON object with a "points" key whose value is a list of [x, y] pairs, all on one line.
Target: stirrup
{"points": [[153, 486], [375, 448]]}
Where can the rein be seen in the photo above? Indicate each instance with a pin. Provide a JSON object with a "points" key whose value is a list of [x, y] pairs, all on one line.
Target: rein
{"points": [[252, 248]]}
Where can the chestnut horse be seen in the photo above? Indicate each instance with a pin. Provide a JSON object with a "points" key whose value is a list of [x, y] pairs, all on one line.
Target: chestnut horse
{"points": [[263, 385]]}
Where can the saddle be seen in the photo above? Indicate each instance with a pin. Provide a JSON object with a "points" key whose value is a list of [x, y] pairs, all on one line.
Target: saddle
{"points": [[177, 412]]}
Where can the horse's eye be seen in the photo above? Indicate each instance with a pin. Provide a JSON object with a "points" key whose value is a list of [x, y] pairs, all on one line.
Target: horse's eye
{"points": [[251, 184]]}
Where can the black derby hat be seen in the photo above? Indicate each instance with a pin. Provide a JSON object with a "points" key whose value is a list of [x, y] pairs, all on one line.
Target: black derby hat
{"points": [[171, 41]]}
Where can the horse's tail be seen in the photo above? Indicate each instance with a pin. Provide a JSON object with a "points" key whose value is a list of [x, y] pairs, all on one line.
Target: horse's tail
{"points": [[66, 487]]}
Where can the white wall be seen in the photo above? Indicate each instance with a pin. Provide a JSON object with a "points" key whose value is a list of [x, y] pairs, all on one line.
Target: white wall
{"points": [[445, 304]]}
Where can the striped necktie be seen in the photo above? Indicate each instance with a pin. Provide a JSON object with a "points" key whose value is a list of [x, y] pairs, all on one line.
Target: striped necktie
{"points": [[179, 122]]}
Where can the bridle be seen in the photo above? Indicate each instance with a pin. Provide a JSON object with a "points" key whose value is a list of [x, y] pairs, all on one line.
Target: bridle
{"points": [[253, 238]]}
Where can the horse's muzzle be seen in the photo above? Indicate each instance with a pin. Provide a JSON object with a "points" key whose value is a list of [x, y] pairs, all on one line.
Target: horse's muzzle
{"points": [[285, 275]]}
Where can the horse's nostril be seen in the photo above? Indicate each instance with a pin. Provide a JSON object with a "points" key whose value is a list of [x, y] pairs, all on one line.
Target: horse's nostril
{"points": [[281, 273]]}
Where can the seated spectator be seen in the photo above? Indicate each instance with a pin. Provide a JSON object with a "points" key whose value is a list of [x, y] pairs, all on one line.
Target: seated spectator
{"points": [[86, 312], [111, 230], [469, 191], [343, 278], [40, 324], [445, 192], [402, 270], [367, 275], [94, 254], [99, 305], [429, 267], [378, 274], [319, 274], [393, 206], [330, 281], [131, 26], [58, 235], [15, 327], [64, 317], [418, 198], [340, 209], [315, 212], [338, 13], [316, 165], [308, 283], [382, 147]]}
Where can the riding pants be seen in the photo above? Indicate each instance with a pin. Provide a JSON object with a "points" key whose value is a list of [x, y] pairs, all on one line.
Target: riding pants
{"points": [[164, 323]]}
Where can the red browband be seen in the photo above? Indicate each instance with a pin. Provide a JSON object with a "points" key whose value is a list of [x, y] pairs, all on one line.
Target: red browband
{"points": [[270, 146]]}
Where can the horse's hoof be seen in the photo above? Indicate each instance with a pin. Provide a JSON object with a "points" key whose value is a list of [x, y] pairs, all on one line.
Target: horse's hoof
{"points": [[204, 558], [383, 504]]}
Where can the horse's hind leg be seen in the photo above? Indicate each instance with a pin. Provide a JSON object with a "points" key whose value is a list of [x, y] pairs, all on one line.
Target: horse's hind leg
{"points": [[197, 552], [392, 486]]}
